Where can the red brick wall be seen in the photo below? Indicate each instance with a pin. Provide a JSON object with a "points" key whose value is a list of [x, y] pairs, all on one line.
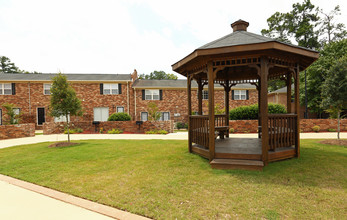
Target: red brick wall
{"points": [[175, 101], [88, 93], [17, 131], [251, 126], [126, 126], [324, 124]]}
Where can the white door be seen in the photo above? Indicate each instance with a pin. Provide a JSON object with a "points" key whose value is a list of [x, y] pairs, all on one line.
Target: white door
{"points": [[101, 114]]}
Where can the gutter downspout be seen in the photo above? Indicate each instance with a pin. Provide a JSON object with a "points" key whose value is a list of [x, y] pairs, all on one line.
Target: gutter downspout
{"points": [[29, 99], [128, 98], [135, 101]]}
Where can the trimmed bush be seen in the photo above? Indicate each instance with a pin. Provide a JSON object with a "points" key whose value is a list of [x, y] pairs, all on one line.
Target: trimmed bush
{"points": [[316, 128], [250, 112], [231, 130], [114, 131], [157, 132], [180, 125], [332, 130], [120, 116]]}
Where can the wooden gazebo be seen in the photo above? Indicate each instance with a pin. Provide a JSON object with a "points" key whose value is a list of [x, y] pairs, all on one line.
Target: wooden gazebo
{"points": [[244, 57]]}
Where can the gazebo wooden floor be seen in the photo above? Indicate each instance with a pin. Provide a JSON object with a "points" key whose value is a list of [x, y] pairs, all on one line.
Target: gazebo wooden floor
{"points": [[246, 151]]}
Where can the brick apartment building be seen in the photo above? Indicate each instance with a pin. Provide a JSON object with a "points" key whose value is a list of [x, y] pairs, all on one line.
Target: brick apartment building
{"points": [[104, 94]]}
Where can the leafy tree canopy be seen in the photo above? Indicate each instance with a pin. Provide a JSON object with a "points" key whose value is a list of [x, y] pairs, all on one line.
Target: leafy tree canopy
{"points": [[304, 24], [6, 66], [318, 72], [158, 75]]}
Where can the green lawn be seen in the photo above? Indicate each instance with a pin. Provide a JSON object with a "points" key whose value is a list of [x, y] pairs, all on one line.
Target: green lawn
{"points": [[160, 179]]}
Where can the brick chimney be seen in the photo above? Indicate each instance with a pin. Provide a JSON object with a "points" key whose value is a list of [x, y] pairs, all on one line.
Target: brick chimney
{"points": [[240, 25], [134, 75]]}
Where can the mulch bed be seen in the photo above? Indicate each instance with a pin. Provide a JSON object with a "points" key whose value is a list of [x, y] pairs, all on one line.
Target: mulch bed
{"points": [[334, 142], [62, 144]]}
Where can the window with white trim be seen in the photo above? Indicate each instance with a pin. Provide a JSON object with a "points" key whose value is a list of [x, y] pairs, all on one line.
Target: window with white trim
{"points": [[110, 89], [101, 114], [165, 116], [5, 89], [152, 94], [62, 118], [16, 112], [240, 94], [47, 88], [120, 109], [204, 94], [144, 116]]}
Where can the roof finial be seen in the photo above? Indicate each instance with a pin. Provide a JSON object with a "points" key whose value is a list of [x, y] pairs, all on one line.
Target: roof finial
{"points": [[240, 25]]}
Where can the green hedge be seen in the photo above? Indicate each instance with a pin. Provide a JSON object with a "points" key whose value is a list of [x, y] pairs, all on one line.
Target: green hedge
{"points": [[250, 112], [119, 117]]}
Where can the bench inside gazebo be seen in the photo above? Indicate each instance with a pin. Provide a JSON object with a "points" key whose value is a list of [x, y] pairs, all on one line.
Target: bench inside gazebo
{"points": [[244, 57]]}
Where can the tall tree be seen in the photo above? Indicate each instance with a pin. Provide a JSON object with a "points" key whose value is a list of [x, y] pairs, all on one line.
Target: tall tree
{"points": [[318, 72], [334, 90], [64, 101], [300, 23], [158, 75], [6, 66], [329, 30]]}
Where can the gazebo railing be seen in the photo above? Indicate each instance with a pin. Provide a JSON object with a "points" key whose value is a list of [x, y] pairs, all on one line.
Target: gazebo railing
{"points": [[199, 129], [282, 130]]}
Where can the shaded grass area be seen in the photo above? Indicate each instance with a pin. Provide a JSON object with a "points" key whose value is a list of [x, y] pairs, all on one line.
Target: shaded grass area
{"points": [[160, 179]]}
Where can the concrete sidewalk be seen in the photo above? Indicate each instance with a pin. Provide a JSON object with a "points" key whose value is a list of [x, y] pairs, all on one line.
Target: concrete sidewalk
{"points": [[171, 136], [23, 200]]}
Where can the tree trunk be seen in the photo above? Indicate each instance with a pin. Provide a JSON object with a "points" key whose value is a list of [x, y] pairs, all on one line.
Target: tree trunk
{"points": [[68, 128], [338, 125]]}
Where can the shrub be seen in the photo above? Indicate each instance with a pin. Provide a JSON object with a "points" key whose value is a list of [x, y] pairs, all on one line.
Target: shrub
{"points": [[71, 131], [332, 130], [120, 116], [114, 131], [250, 112], [316, 128], [79, 130], [101, 130], [156, 132], [231, 130], [180, 125]]}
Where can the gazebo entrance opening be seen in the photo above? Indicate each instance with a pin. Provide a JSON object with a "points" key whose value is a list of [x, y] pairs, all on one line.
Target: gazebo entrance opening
{"points": [[243, 57]]}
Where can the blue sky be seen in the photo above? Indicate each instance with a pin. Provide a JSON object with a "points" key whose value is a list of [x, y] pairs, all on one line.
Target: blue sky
{"points": [[118, 36]]}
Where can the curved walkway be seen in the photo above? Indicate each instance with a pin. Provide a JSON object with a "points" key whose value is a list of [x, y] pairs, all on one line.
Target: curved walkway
{"points": [[171, 136]]}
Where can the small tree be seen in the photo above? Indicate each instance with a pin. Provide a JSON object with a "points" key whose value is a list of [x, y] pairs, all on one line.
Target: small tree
{"points": [[158, 75], [13, 117], [153, 113], [64, 101], [334, 90]]}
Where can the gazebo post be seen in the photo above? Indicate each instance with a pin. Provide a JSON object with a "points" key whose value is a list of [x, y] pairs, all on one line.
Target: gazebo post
{"points": [[264, 71], [259, 110], [289, 92], [189, 95], [210, 77], [226, 103], [200, 88], [297, 110]]}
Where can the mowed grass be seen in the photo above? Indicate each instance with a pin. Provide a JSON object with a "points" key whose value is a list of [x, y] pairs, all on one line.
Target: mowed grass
{"points": [[160, 179]]}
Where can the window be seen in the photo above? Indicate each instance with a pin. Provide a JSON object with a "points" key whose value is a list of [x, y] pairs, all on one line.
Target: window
{"points": [[152, 94], [165, 116], [5, 89], [111, 89], [101, 114], [240, 94], [144, 116], [16, 112], [204, 94], [61, 118], [120, 109], [47, 89]]}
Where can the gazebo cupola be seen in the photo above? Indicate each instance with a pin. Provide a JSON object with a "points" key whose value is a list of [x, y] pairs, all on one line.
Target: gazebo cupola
{"points": [[244, 57]]}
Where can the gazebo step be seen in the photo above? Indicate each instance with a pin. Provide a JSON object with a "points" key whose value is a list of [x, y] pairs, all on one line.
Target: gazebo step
{"points": [[237, 164]]}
